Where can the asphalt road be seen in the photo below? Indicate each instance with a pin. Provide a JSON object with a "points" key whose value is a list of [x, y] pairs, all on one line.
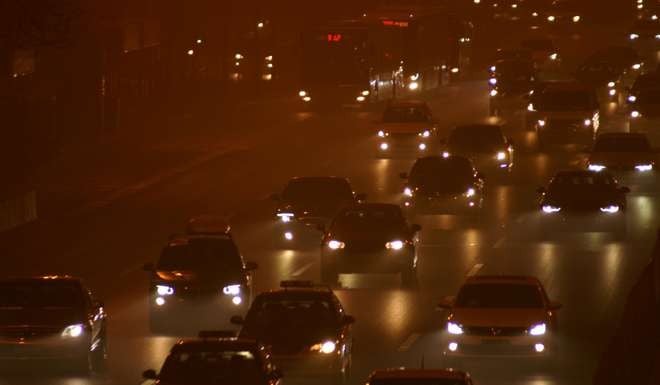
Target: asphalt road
{"points": [[589, 273]]}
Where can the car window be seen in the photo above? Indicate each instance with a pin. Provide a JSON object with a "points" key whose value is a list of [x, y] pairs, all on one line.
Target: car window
{"points": [[563, 100], [272, 313], [212, 367], [370, 216], [451, 172], [499, 296], [202, 255]]}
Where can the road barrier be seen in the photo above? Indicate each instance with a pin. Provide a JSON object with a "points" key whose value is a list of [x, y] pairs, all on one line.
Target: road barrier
{"points": [[18, 210]]}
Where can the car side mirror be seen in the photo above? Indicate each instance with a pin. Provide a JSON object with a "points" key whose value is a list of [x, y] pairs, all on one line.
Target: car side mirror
{"points": [[251, 266], [150, 374], [624, 189], [348, 320], [554, 306], [415, 228], [403, 175], [361, 197], [237, 320], [275, 197], [541, 190], [445, 303], [149, 267]]}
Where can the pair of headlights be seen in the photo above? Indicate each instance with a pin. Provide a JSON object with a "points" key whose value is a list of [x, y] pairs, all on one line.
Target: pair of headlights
{"points": [[645, 167], [536, 330], [393, 245], [471, 192], [165, 291], [609, 209]]}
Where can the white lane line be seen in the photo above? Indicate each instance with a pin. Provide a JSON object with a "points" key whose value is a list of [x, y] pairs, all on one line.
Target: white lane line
{"points": [[409, 342], [499, 243], [302, 270], [475, 269]]}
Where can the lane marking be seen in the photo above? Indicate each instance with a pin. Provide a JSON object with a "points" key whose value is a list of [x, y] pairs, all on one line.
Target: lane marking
{"points": [[302, 270], [409, 342], [475, 269]]}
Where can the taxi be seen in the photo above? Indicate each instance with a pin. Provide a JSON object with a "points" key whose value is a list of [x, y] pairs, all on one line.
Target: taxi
{"points": [[406, 125]]}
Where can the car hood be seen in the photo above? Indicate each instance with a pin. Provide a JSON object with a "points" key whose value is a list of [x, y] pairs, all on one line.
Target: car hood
{"points": [[313, 209], [373, 235], [622, 159], [439, 188], [405, 128], [40, 317], [292, 338], [585, 199], [192, 277], [498, 317]]}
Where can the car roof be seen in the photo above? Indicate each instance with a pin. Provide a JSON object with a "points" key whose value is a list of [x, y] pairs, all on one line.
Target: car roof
{"points": [[207, 225], [503, 279], [402, 373], [217, 344], [185, 239]]}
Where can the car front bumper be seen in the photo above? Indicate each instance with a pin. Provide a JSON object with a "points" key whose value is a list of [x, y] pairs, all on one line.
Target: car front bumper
{"points": [[385, 261], [470, 345]]}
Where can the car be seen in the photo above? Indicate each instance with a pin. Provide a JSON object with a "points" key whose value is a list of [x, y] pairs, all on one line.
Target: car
{"points": [[198, 277], [370, 238], [500, 315], [564, 112], [306, 327], [611, 70], [444, 185], [308, 202], [484, 144], [400, 376], [406, 125], [545, 54], [644, 34], [582, 201], [510, 82], [644, 109], [622, 152], [216, 358], [52, 318], [563, 14]]}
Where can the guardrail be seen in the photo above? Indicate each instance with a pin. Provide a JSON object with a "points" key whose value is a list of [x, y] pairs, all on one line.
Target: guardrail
{"points": [[18, 210]]}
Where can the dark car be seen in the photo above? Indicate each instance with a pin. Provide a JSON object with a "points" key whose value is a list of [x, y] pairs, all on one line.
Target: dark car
{"points": [[484, 144], [52, 318], [198, 277], [445, 185], [370, 238], [216, 359], [611, 70], [307, 329], [583, 201], [510, 82], [308, 202], [402, 376]]}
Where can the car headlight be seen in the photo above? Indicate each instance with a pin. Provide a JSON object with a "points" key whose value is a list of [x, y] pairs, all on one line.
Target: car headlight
{"points": [[327, 347], [587, 122], [541, 122], [554, 56], [413, 86], [530, 107], [644, 167], [657, 37], [492, 81], [501, 155], [470, 192], [302, 94], [446, 154], [366, 93], [307, 99], [232, 290], [360, 99], [336, 245], [285, 217], [632, 98], [611, 209], [550, 209], [551, 19], [425, 134], [414, 77], [73, 331], [596, 167], [493, 68], [637, 66], [164, 290], [611, 85], [633, 36], [382, 134], [635, 114], [576, 19], [454, 328], [538, 330], [493, 92], [408, 192], [394, 245]]}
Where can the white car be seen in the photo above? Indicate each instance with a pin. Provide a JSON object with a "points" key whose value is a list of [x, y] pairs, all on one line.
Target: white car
{"points": [[406, 125]]}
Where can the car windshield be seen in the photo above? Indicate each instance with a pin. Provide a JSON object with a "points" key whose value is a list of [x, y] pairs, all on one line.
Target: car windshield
{"points": [[499, 296], [202, 255], [268, 314], [622, 144], [450, 174], [478, 138], [405, 115], [417, 381], [317, 190], [214, 367], [370, 217], [560, 100], [581, 181], [649, 95], [40, 294]]}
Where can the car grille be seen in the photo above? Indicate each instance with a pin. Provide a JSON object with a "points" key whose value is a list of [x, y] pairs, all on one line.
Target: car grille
{"points": [[28, 333], [494, 331], [365, 247]]}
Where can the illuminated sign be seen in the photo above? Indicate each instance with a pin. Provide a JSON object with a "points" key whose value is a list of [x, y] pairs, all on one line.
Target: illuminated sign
{"points": [[335, 37], [395, 23]]}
